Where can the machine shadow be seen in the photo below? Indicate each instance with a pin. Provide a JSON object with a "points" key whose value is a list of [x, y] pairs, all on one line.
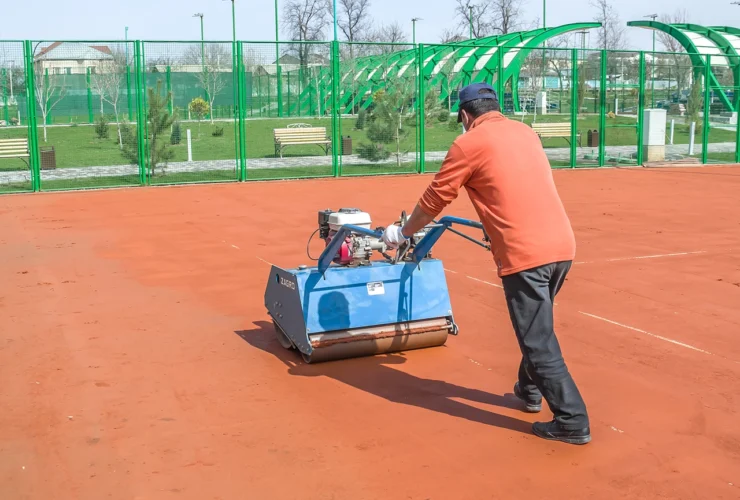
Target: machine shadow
{"points": [[375, 375]]}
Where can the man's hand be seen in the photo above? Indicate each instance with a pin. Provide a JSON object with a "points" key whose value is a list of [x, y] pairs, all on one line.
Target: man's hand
{"points": [[393, 236]]}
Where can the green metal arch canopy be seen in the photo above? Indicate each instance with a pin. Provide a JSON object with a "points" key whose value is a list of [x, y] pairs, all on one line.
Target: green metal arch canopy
{"points": [[689, 35]]}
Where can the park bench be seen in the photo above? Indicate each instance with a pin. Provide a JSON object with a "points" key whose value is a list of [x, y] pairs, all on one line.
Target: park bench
{"points": [[299, 135], [15, 148], [547, 130]]}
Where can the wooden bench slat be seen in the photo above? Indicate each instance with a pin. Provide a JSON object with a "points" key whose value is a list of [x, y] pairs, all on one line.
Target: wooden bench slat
{"points": [[300, 136], [16, 156]]}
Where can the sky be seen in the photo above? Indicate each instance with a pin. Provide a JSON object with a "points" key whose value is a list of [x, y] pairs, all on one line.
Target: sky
{"points": [[173, 19]]}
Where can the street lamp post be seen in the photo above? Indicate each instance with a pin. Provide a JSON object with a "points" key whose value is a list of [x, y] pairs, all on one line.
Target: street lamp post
{"points": [[203, 56], [413, 29], [652, 65], [470, 20], [544, 13]]}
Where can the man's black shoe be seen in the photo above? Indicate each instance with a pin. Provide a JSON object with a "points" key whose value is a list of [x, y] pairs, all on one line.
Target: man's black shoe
{"points": [[553, 431], [532, 407]]}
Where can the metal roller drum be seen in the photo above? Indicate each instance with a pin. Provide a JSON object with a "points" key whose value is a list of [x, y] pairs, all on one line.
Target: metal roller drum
{"points": [[349, 306]]}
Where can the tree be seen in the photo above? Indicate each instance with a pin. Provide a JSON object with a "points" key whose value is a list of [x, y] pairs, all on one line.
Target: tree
{"points": [[353, 19], [159, 121], [451, 36], [50, 89], [199, 108], [306, 21], [480, 16], [389, 33], [612, 34], [695, 103], [391, 107], [214, 59], [506, 16], [108, 81]]}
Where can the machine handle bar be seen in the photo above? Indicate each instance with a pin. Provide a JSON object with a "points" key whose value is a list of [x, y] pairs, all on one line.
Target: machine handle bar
{"points": [[421, 249]]}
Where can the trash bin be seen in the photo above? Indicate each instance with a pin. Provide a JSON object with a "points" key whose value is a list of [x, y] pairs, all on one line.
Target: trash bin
{"points": [[593, 138], [48, 158], [346, 145]]}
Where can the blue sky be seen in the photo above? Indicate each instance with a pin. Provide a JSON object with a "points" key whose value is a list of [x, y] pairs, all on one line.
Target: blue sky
{"points": [[172, 19]]}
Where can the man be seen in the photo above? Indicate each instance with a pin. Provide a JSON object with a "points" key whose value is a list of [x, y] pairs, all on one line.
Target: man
{"points": [[503, 167]]}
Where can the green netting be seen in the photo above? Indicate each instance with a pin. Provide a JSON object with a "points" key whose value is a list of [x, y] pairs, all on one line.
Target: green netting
{"points": [[680, 91], [288, 132], [722, 119], [83, 114], [114, 113], [15, 171], [378, 104], [190, 86]]}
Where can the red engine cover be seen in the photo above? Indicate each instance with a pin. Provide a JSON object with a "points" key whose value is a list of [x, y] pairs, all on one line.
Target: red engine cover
{"points": [[344, 255]]}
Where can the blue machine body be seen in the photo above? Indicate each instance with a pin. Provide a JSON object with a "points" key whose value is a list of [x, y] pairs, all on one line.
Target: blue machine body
{"points": [[326, 298], [304, 302]]}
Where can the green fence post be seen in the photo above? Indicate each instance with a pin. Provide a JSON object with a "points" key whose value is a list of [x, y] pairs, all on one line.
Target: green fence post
{"points": [[602, 110], [574, 108], [141, 137], [335, 140], [640, 107], [33, 137], [707, 110], [501, 84], [5, 98], [90, 114], [169, 89], [422, 108], [129, 97], [269, 96], [242, 113], [235, 62]]}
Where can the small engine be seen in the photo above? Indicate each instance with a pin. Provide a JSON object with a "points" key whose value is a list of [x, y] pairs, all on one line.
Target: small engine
{"points": [[356, 249]]}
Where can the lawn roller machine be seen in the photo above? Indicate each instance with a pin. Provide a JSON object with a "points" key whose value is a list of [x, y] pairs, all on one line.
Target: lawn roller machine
{"points": [[350, 306]]}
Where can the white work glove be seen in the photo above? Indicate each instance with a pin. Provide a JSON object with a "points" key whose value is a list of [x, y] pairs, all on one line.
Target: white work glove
{"points": [[393, 237]]}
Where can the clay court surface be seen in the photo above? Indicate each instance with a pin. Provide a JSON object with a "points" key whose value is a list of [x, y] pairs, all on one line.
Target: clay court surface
{"points": [[137, 361]]}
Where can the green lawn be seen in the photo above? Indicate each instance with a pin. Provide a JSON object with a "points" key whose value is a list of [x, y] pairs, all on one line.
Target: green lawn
{"points": [[78, 146]]}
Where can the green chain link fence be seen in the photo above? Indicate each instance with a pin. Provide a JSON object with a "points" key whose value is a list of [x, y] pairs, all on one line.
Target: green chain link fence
{"points": [[103, 114]]}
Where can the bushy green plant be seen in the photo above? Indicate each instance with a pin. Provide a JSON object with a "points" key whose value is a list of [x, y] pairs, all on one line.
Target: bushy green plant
{"points": [[443, 116], [101, 127], [218, 132], [373, 152], [159, 121], [175, 136], [361, 118]]}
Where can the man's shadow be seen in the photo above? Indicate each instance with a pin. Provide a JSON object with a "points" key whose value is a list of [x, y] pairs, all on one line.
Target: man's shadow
{"points": [[375, 375]]}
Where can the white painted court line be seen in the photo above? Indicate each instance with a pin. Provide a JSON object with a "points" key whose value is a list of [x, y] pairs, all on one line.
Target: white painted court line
{"points": [[486, 282], [666, 339], [263, 260], [450, 271], [641, 257], [234, 246]]}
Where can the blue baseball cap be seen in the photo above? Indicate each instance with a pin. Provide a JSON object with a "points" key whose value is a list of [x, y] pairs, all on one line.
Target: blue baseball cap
{"points": [[472, 92]]}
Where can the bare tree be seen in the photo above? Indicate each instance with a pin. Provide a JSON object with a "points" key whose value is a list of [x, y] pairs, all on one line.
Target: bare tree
{"points": [[50, 89], [353, 19], [306, 20], [506, 16], [389, 33], [451, 36], [108, 81], [214, 59], [477, 12], [612, 34]]}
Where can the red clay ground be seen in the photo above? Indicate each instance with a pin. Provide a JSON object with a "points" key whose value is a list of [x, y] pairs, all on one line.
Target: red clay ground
{"points": [[137, 362]]}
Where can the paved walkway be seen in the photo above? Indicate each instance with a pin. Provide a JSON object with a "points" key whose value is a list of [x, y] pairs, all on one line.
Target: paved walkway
{"points": [[554, 154]]}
